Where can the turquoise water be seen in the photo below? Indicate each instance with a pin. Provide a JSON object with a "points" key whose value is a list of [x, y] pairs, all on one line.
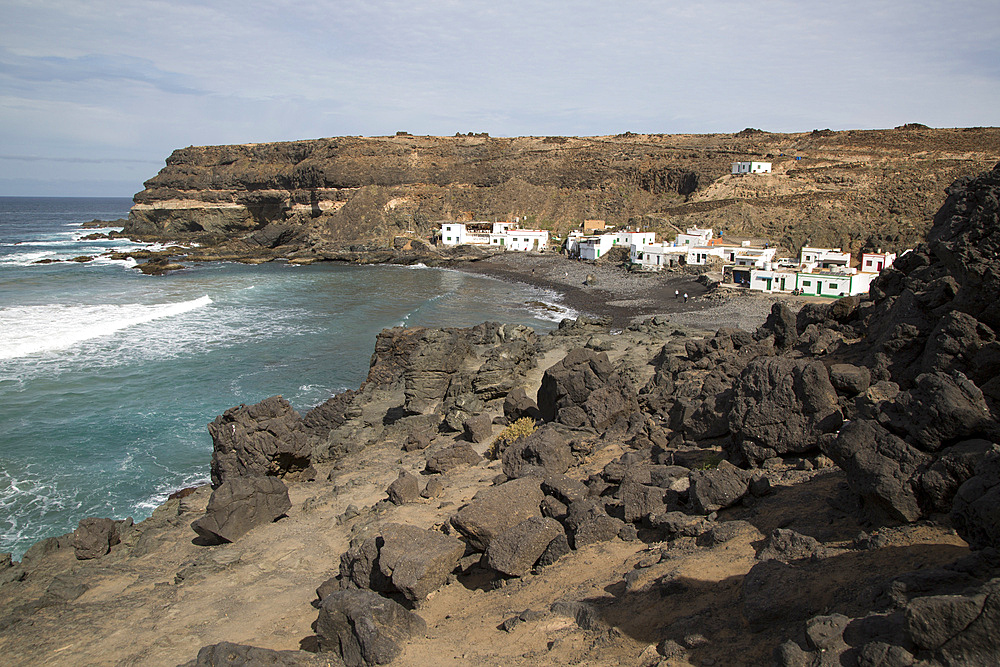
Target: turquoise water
{"points": [[108, 377]]}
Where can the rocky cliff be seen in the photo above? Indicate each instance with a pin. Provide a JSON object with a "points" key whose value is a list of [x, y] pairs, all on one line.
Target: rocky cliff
{"points": [[329, 198], [823, 490]]}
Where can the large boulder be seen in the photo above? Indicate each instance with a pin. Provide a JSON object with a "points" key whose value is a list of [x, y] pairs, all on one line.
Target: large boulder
{"points": [[515, 551], [940, 409], [364, 628], [240, 504], [506, 363], [498, 508], [881, 468], [782, 406], [228, 654], [546, 451], [94, 536], [976, 510], [267, 438], [402, 558], [451, 457], [437, 355], [717, 488], [583, 389]]}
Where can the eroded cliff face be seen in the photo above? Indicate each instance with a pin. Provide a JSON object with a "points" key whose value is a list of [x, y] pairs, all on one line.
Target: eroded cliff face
{"points": [[853, 188]]}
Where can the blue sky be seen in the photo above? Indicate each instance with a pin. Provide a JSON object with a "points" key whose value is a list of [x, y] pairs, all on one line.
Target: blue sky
{"points": [[95, 94]]}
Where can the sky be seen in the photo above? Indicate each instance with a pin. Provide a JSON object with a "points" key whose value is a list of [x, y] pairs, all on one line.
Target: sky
{"points": [[95, 94]]}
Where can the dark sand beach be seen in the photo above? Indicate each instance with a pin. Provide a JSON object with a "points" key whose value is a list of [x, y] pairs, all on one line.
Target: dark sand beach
{"points": [[626, 296]]}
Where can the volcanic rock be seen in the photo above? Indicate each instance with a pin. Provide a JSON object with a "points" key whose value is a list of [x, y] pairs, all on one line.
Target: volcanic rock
{"points": [[267, 438], [240, 504], [364, 628]]}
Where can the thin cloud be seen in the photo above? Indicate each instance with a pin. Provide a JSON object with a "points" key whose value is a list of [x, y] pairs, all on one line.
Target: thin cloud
{"points": [[77, 160], [93, 67]]}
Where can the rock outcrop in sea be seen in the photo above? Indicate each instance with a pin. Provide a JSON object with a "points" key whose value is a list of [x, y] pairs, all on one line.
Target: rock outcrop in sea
{"points": [[823, 490]]}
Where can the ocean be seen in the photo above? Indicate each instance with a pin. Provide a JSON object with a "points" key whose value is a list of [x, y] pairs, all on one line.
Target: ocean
{"points": [[108, 377]]}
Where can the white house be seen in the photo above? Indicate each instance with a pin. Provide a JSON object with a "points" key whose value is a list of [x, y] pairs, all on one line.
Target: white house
{"points": [[655, 256], [634, 238], [757, 258], [593, 247], [834, 283], [873, 262], [521, 239], [772, 280], [694, 236], [751, 168], [825, 258], [504, 235]]}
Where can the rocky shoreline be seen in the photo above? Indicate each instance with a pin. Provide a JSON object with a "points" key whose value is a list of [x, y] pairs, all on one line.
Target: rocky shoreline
{"points": [[819, 487]]}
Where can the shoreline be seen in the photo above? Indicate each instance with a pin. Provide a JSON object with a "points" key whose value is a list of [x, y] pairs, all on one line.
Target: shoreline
{"points": [[628, 297]]}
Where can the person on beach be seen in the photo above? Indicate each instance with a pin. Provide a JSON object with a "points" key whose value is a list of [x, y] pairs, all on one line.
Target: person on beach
{"points": [[685, 297], [677, 293]]}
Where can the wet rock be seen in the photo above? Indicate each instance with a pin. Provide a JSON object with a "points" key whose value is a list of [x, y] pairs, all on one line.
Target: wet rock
{"points": [[240, 504], [364, 628], [267, 438]]}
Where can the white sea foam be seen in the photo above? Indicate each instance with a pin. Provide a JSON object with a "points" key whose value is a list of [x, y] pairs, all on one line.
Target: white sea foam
{"points": [[552, 311], [27, 258], [33, 329]]}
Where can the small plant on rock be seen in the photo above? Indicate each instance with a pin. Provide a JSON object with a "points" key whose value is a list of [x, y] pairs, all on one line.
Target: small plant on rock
{"points": [[519, 430]]}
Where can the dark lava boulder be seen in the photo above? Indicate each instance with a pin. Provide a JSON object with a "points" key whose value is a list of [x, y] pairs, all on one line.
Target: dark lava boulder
{"points": [[976, 510], [402, 558], [240, 504], [583, 389], [364, 628], [881, 468], [546, 451], [496, 509], [267, 438], [227, 654], [782, 406]]}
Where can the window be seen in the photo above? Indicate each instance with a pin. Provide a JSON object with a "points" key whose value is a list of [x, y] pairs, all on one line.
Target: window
{"points": [[448, 239], [807, 283]]}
